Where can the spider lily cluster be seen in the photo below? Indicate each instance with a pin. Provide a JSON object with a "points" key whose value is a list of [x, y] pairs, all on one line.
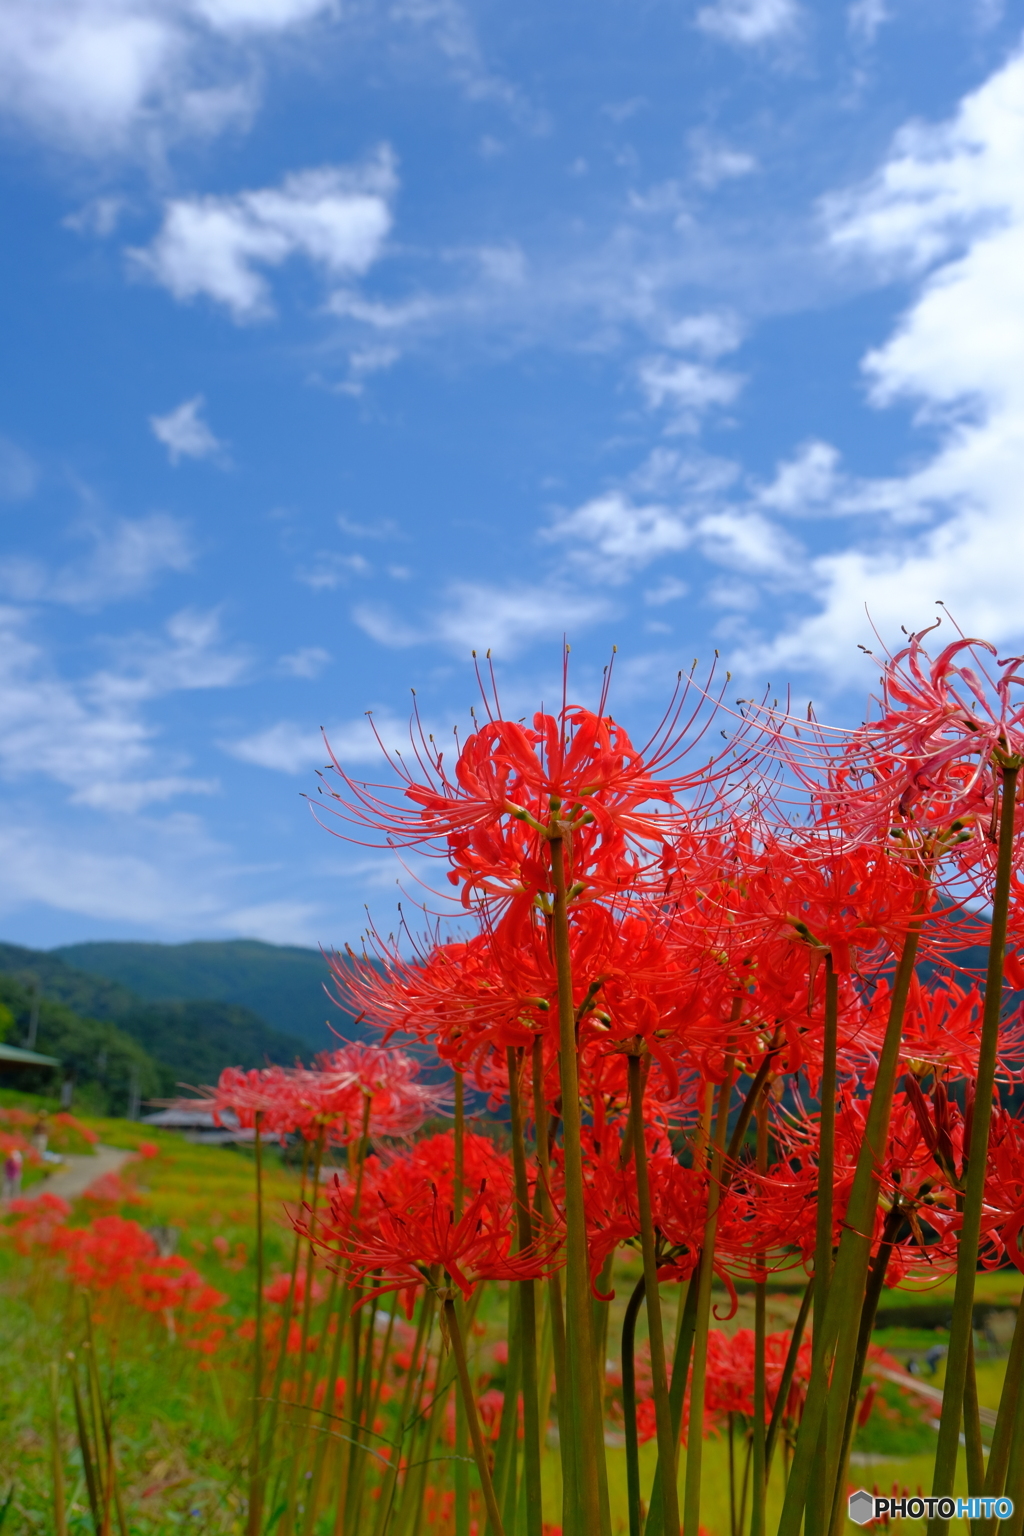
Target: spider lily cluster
{"points": [[726, 1011], [725, 1008]]}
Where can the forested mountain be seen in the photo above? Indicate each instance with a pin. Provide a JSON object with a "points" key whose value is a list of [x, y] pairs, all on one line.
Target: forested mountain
{"points": [[282, 983], [103, 1033]]}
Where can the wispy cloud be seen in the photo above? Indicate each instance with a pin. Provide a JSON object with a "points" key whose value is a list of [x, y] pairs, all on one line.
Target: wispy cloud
{"points": [[749, 22], [337, 217], [18, 472], [185, 434], [481, 616], [125, 558]]}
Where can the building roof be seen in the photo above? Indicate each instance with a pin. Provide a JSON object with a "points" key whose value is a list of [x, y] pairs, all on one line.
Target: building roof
{"points": [[16, 1056]]}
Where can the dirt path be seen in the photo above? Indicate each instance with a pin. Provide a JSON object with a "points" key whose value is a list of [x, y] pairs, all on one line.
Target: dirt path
{"points": [[79, 1172]]}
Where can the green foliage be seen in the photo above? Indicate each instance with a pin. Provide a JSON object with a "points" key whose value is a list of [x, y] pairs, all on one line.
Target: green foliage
{"points": [[7, 1021], [195, 1040], [282, 983], [101, 1032], [100, 1057]]}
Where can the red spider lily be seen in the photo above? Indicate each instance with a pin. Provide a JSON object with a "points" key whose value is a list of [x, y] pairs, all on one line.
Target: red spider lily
{"points": [[928, 760], [397, 1182], [117, 1259], [512, 786], [410, 1247]]}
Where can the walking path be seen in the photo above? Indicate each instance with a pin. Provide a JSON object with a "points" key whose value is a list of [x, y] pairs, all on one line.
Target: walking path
{"points": [[79, 1172]]}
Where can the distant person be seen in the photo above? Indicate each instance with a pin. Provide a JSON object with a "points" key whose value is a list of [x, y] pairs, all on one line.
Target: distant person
{"points": [[12, 1175], [41, 1132]]}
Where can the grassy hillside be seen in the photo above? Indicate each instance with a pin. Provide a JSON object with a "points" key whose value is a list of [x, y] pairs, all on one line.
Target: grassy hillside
{"points": [[282, 983], [101, 1030]]}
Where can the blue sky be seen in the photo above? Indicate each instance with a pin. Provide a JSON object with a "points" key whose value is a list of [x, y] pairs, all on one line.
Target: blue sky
{"points": [[342, 338]]}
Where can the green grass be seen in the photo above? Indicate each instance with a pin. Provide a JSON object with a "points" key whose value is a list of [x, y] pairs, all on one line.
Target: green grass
{"points": [[177, 1424]]}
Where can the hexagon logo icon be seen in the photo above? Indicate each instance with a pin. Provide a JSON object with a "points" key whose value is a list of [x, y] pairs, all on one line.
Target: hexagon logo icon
{"points": [[862, 1507]]}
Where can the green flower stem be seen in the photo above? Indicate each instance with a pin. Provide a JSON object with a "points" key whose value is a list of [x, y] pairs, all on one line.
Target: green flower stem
{"points": [[1009, 1399], [508, 1432], [869, 1311], [1015, 1478], [962, 1321], [461, 1463], [676, 1391], [527, 1305], [387, 1492], [592, 1513], [695, 1440], [60, 1522], [759, 1427], [543, 1133], [849, 1274], [633, 1306], [819, 1496], [972, 1427], [659, 1374], [254, 1522], [466, 1386], [786, 1379]]}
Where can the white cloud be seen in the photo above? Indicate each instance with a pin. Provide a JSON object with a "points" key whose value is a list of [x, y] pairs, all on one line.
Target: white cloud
{"points": [[337, 217], [714, 162], [96, 75], [614, 538], [710, 334], [99, 217], [18, 473], [129, 798], [866, 17], [290, 748], [184, 433], [687, 389], [190, 657], [952, 193], [748, 22], [750, 541], [479, 616], [89, 733], [127, 555], [805, 484], [331, 569], [307, 661]]}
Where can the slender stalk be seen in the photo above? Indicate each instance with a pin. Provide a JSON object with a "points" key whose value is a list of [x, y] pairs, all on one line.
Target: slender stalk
{"points": [[254, 1524], [473, 1422], [962, 1321], [1009, 1398], [849, 1273], [60, 1519], [676, 1391], [543, 1132], [527, 1305], [633, 1306], [819, 1495], [286, 1323], [85, 1447], [836, 1507], [749, 1105], [387, 1493], [695, 1442], [461, 1463], [508, 1432], [759, 1426], [592, 1511], [732, 1474], [648, 1243], [786, 1379], [1015, 1478], [972, 1427]]}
